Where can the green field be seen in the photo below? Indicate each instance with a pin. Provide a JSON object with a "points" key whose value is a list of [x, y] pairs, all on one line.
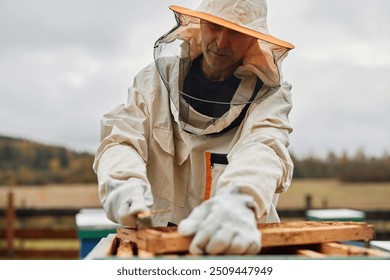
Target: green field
{"points": [[335, 194], [325, 193]]}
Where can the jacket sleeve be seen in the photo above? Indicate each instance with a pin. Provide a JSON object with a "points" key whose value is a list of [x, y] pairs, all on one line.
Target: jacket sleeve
{"points": [[260, 164], [123, 151]]}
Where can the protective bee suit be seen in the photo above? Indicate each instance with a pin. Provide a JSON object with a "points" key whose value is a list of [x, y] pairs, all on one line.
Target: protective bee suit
{"points": [[182, 157]]}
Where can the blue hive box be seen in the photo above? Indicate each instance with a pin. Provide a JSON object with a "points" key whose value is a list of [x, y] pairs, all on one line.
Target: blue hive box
{"points": [[92, 225]]}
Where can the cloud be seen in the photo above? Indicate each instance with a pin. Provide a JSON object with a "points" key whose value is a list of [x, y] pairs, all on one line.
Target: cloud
{"points": [[338, 71], [66, 63]]}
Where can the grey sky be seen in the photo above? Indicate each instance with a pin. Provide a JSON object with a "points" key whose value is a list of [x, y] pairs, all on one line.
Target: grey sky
{"points": [[63, 64]]}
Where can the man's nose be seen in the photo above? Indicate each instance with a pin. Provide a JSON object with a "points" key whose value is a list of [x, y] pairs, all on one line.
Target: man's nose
{"points": [[222, 38]]}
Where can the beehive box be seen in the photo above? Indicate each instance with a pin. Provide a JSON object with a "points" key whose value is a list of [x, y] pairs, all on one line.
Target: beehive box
{"points": [[92, 225], [335, 215], [309, 239]]}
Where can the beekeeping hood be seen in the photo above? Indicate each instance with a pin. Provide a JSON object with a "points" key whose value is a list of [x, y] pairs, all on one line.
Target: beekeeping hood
{"points": [[175, 51]]}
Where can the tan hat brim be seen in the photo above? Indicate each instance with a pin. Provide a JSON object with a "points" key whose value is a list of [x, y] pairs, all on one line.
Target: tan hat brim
{"points": [[231, 25]]}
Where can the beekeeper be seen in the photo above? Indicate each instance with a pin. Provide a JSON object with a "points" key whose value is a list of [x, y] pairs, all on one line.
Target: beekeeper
{"points": [[203, 137]]}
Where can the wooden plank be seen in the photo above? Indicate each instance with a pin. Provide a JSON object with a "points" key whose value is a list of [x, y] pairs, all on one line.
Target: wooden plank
{"points": [[309, 253], [42, 233], [168, 240], [300, 233], [45, 233], [156, 241], [125, 249], [338, 249], [53, 254], [145, 254]]}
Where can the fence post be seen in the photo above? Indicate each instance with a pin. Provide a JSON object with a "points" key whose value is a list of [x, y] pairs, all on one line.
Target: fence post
{"points": [[308, 201], [10, 224], [324, 202]]}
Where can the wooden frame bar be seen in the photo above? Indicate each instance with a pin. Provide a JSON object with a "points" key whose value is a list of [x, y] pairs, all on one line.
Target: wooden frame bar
{"points": [[167, 240]]}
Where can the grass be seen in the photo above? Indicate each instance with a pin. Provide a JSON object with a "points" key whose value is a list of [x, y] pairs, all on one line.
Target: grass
{"points": [[335, 194], [325, 193]]}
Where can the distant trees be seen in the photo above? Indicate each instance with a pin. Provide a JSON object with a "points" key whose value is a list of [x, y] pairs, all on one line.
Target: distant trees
{"points": [[23, 162], [358, 168]]}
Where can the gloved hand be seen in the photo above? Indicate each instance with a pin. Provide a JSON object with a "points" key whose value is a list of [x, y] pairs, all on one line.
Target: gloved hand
{"points": [[224, 224], [127, 198]]}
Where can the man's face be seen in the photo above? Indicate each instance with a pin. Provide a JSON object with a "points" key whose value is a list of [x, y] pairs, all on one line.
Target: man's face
{"points": [[223, 50]]}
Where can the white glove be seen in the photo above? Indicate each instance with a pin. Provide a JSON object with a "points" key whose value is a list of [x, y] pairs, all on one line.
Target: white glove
{"points": [[224, 224], [126, 199]]}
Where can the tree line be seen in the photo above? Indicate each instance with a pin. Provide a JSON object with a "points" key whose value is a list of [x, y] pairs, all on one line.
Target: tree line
{"points": [[356, 168], [23, 162]]}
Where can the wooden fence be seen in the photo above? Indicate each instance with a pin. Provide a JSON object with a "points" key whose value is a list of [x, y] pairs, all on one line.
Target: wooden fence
{"points": [[15, 237], [12, 237], [20, 252]]}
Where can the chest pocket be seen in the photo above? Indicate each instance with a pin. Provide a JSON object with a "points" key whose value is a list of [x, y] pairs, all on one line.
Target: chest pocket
{"points": [[169, 167]]}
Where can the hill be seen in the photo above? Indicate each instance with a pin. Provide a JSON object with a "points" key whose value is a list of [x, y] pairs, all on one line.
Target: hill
{"points": [[24, 162]]}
